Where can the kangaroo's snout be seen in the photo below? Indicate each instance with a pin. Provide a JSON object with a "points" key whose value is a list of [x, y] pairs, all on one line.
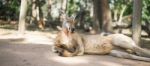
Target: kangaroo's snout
{"points": [[72, 30]]}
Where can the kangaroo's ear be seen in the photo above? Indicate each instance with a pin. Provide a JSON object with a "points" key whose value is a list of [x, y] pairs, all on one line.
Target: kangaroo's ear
{"points": [[59, 28], [73, 19]]}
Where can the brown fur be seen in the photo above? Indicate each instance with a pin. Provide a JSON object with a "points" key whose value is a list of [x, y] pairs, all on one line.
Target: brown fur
{"points": [[69, 43], [94, 44]]}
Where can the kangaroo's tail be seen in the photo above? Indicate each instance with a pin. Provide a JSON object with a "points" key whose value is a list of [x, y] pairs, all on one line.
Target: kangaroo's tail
{"points": [[142, 52], [121, 54]]}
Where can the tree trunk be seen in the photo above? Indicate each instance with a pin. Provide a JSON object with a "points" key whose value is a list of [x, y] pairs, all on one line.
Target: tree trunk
{"points": [[64, 5], [63, 9], [115, 15], [49, 10], [96, 24], [37, 15], [120, 18], [23, 11], [92, 11], [136, 22], [102, 15], [41, 22], [34, 10]]}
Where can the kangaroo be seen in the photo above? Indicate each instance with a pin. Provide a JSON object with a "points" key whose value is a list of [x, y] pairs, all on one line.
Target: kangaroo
{"points": [[70, 43]]}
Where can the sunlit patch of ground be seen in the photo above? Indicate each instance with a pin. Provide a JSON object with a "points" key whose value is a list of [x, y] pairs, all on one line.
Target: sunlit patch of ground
{"points": [[34, 37]]}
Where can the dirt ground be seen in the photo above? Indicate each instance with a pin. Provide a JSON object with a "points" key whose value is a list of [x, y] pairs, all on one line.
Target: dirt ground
{"points": [[35, 50]]}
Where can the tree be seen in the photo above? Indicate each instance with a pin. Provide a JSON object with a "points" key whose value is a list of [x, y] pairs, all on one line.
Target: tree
{"points": [[96, 23], [136, 22], [102, 15], [41, 22], [49, 9], [120, 9], [23, 10], [63, 9], [37, 15]]}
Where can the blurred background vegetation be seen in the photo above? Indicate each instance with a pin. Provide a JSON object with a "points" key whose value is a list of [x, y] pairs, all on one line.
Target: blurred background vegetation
{"points": [[45, 14]]}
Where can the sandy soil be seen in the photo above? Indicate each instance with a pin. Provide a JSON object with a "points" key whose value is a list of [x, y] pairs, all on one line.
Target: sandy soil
{"points": [[35, 50]]}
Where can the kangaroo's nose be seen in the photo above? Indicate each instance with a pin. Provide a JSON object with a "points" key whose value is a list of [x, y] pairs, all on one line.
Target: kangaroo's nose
{"points": [[72, 30]]}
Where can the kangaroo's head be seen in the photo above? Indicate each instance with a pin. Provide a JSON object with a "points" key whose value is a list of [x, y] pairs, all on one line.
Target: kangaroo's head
{"points": [[69, 24]]}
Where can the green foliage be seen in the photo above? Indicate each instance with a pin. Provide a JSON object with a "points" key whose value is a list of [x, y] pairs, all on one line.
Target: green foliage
{"points": [[9, 9], [146, 11], [119, 5], [72, 6]]}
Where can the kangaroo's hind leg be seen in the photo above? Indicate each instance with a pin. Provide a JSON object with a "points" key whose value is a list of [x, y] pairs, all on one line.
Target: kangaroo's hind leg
{"points": [[127, 43], [122, 54]]}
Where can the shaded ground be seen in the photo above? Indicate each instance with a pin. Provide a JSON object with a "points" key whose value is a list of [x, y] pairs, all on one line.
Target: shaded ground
{"points": [[35, 50]]}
